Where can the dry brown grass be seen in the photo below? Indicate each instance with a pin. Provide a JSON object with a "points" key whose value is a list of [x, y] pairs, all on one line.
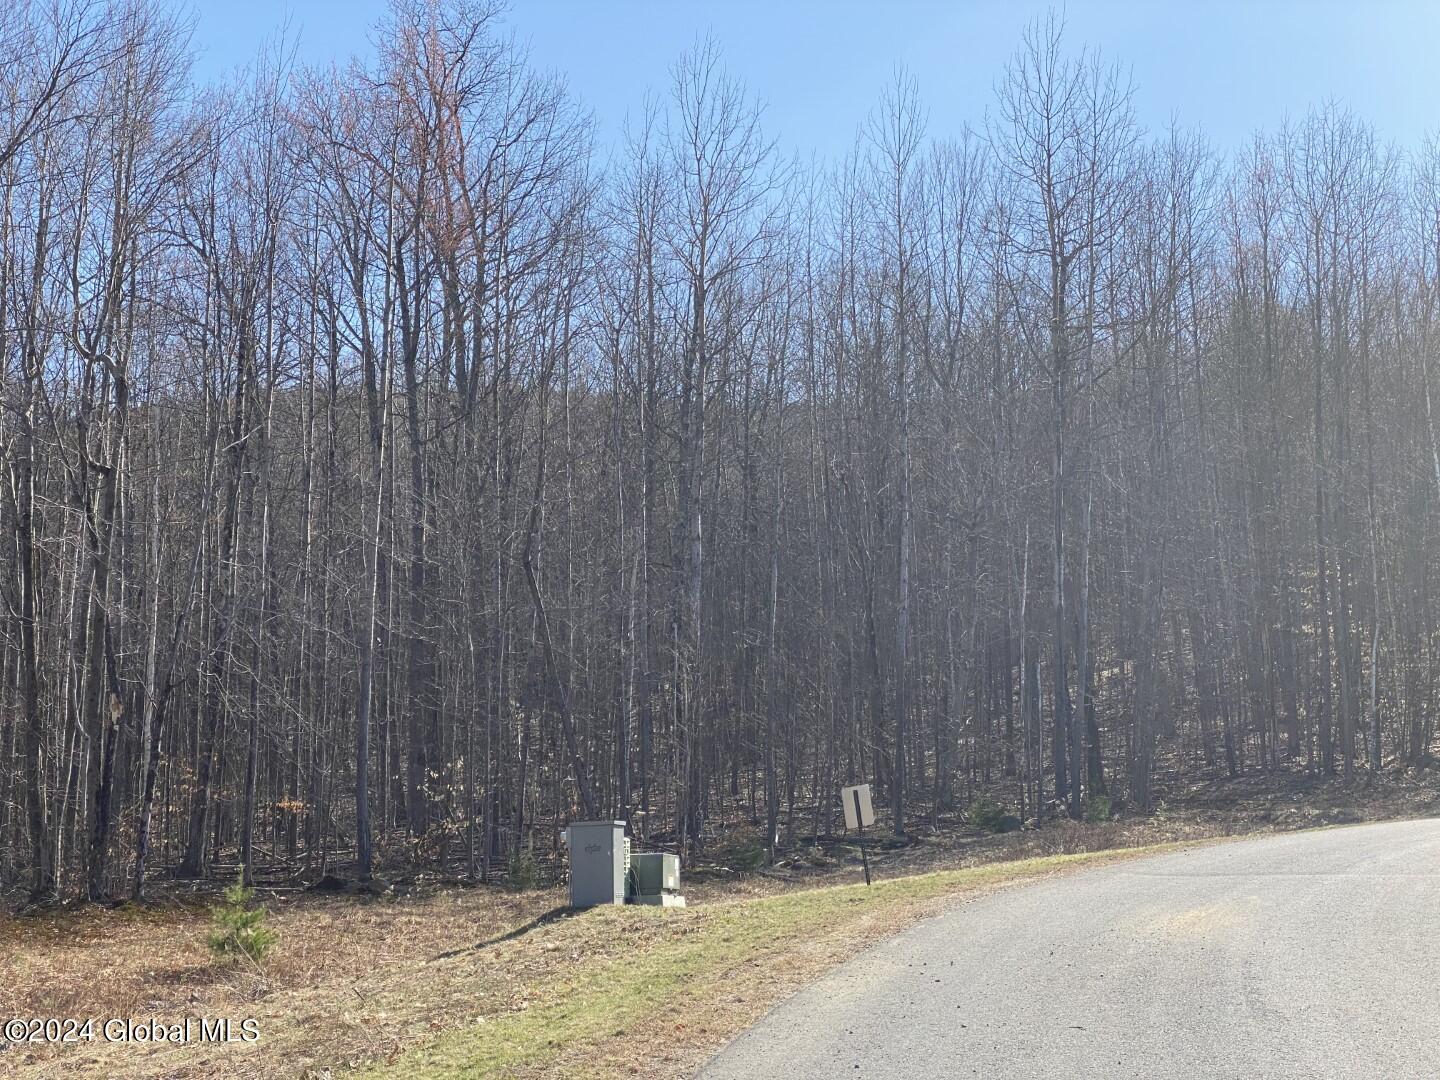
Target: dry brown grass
{"points": [[359, 982], [350, 980], [686, 981]]}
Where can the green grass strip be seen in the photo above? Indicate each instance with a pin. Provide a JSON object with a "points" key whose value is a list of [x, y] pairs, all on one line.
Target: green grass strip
{"points": [[694, 956]]}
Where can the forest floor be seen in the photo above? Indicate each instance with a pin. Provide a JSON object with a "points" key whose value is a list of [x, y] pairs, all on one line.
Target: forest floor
{"points": [[489, 981]]}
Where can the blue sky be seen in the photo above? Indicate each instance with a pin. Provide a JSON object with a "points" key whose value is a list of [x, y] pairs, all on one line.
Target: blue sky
{"points": [[1227, 66]]}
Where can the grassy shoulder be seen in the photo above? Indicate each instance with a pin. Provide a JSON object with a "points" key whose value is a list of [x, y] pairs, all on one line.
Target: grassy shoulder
{"points": [[657, 990], [452, 980]]}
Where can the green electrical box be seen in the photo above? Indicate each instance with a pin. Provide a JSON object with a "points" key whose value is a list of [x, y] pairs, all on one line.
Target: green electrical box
{"points": [[655, 879]]}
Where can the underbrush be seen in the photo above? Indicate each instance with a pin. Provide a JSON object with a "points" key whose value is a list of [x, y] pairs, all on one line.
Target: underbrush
{"points": [[415, 980]]}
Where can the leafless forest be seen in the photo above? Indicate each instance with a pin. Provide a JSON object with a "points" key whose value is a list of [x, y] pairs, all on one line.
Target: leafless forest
{"points": [[393, 473]]}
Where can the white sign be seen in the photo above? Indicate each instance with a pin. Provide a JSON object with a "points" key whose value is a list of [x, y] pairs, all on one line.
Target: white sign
{"points": [[848, 798]]}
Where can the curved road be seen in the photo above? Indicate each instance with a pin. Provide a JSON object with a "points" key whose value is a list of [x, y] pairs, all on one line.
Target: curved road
{"points": [[1301, 955]]}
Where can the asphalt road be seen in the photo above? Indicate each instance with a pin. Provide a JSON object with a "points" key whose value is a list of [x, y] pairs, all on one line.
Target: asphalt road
{"points": [[1303, 955]]}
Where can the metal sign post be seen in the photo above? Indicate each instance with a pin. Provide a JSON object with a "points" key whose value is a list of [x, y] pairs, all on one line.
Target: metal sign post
{"points": [[864, 856], [859, 812]]}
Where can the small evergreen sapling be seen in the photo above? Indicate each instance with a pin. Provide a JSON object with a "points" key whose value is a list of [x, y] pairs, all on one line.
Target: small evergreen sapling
{"points": [[524, 871], [240, 929]]}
